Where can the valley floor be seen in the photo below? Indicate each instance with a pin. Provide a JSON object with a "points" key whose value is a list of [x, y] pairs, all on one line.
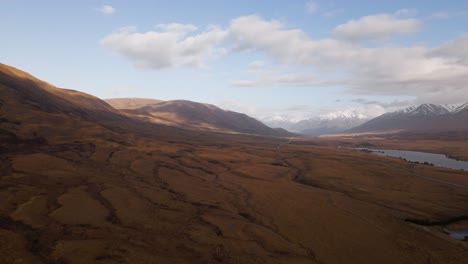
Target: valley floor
{"points": [[222, 199]]}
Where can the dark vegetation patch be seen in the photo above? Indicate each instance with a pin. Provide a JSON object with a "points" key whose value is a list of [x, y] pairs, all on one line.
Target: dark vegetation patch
{"points": [[4, 120], [119, 142], [32, 236], [279, 164], [427, 222], [9, 142], [5, 166], [247, 216]]}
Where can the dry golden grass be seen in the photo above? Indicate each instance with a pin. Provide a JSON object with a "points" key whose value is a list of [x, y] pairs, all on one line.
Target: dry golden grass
{"points": [[131, 103]]}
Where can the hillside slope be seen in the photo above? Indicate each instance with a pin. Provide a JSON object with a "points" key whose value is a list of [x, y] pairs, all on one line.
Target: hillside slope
{"points": [[131, 103], [22, 88], [188, 114]]}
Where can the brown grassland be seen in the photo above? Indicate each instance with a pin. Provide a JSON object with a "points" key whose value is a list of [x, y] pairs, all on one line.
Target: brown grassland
{"points": [[80, 183]]}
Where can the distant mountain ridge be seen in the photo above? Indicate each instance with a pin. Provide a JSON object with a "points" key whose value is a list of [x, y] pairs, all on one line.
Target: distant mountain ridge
{"points": [[422, 118], [188, 114], [331, 123]]}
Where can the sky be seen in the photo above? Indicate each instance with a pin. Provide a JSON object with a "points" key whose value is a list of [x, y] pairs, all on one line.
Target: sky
{"points": [[272, 59]]}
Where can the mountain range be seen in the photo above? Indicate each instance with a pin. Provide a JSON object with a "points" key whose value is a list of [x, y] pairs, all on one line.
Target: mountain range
{"points": [[422, 118], [419, 118], [331, 123], [191, 115], [200, 116]]}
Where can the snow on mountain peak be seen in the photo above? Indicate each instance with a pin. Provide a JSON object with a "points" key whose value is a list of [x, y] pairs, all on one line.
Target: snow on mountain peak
{"points": [[345, 114], [430, 110], [463, 107], [425, 109]]}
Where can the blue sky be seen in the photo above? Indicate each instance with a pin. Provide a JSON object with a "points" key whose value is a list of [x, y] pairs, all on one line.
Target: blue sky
{"points": [[293, 59]]}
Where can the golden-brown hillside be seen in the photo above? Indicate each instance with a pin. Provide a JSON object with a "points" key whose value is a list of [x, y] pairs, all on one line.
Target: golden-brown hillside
{"points": [[131, 103], [194, 116]]}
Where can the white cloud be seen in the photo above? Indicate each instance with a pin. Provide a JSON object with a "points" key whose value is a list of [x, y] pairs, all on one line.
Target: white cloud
{"points": [[172, 46], [261, 77], [253, 33], [455, 50], [311, 7], [106, 9], [275, 79], [374, 27], [388, 70], [431, 74]]}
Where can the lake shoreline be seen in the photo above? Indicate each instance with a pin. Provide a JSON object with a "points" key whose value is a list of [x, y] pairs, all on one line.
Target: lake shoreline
{"points": [[431, 159]]}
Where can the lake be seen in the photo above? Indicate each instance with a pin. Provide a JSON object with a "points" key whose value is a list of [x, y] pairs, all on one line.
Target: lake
{"points": [[421, 157]]}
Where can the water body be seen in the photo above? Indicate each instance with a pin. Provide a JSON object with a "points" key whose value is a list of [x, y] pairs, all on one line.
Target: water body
{"points": [[461, 234], [421, 157]]}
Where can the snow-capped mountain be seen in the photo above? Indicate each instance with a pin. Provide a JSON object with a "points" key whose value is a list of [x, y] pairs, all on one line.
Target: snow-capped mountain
{"points": [[462, 108], [425, 117], [330, 123], [423, 110]]}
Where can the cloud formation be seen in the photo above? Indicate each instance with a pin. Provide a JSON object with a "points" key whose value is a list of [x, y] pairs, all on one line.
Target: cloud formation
{"points": [[275, 78], [106, 9], [377, 27], [171, 45], [432, 74], [393, 105]]}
